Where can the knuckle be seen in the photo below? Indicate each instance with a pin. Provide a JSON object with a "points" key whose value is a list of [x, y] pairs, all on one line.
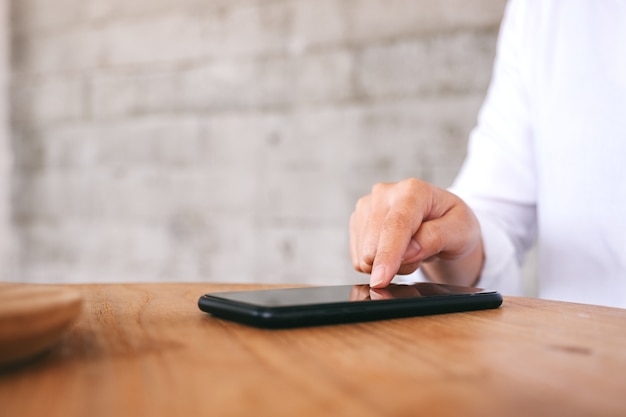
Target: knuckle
{"points": [[363, 203], [413, 185], [380, 188], [395, 221], [368, 256], [365, 267]]}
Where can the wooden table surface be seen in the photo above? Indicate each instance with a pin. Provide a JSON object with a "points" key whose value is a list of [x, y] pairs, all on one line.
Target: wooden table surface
{"points": [[146, 350]]}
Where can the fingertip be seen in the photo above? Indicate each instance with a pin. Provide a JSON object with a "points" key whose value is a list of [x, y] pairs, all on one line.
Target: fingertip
{"points": [[378, 278]]}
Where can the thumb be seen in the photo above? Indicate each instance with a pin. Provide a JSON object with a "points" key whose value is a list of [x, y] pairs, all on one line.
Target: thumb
{"points": [[448, 237], [430, 239]]}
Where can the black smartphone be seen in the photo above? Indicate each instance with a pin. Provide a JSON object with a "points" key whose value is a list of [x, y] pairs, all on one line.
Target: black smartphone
{"points": [[308, 306]]}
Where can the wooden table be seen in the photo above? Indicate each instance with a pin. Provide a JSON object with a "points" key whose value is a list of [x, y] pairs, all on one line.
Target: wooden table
{"points": [[146, 350]]}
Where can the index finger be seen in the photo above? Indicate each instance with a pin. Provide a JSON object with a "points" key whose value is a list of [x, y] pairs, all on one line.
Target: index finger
{"points": [[395, 235]]}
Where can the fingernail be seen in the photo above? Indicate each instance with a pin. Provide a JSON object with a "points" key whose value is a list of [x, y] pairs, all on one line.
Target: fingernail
{"points": [[378, 276]]}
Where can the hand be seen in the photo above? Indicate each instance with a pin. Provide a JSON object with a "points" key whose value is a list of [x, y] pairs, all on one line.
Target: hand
{"points": [[400, 226]]}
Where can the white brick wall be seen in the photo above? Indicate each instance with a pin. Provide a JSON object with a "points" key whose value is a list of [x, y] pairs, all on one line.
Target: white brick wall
{"points": [[228, 140]]}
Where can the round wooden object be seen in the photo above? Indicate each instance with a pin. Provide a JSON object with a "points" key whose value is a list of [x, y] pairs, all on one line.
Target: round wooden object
{"points": [[32, 318]]}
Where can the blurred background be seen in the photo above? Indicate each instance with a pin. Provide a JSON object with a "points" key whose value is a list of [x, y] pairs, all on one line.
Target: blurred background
{"points": [[223, 140]]}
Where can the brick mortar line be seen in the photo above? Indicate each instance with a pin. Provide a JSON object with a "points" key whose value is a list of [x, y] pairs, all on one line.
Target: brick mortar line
{"points": [[205, 60], [283, 109]]}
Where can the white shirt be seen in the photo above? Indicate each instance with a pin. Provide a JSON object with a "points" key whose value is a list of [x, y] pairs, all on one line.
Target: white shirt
{"points": [[549, 151]]}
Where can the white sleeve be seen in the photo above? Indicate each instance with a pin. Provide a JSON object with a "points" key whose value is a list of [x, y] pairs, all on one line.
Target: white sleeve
{"points": [[497, 179]]}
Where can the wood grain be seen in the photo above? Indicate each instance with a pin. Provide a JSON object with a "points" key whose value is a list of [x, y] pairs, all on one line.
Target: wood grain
{"points": [[146, 349], [32, 318]]}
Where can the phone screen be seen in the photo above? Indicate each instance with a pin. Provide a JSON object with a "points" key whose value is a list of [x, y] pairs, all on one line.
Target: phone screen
{"points": [[342, 293]]}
